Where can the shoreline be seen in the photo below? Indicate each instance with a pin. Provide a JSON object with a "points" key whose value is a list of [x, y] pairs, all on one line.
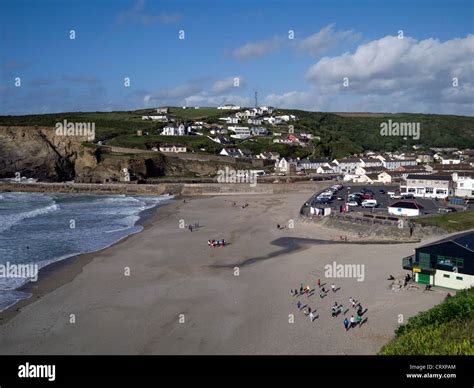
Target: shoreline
{"points": [[62, 272]]}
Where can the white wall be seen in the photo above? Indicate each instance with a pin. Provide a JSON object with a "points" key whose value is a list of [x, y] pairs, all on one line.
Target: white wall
{"points": [[451, 282], [404, 212]]}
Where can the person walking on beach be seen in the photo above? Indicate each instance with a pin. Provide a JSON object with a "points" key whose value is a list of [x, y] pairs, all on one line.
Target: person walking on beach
{"points": [[346, 324], [298, 305], [319, 283], [311, 316], [333, 287], [301, 289], [358, 319], [352, 321]]}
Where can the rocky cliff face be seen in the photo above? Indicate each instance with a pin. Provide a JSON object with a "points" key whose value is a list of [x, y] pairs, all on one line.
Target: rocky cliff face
{"points": [[36, 152]]}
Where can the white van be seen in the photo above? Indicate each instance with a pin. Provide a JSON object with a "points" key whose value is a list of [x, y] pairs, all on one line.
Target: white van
{"points": [[369, 203]]}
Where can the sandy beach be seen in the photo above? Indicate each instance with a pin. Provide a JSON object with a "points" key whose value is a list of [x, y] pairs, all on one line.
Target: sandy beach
{"points": [[182, 297]]}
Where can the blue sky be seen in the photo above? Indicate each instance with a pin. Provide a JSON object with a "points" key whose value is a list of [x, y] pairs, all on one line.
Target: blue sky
{"points": [[232, 48]]}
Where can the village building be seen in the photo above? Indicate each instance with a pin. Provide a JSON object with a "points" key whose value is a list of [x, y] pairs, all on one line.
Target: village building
{"points": [[175, 148], [405, 209], [447, 263], [428, 186]]}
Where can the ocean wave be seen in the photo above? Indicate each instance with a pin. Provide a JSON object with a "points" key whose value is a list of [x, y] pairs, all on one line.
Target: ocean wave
{"points": [[7, 221]]}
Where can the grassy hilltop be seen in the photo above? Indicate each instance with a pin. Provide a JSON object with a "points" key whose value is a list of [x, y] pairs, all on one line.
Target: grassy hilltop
{"points": [[338, 134]]}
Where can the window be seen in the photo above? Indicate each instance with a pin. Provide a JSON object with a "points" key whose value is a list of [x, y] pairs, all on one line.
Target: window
{"points": [[429, 190], [450, 261], [425, 260], [446, 276], [458, 278]]}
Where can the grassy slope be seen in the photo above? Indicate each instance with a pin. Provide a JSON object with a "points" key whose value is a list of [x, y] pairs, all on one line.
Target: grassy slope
{"points": [[446, 329], [340, 135], [452, 222]]}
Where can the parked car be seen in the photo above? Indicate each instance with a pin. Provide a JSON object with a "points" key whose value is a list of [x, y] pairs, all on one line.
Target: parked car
{"points": [[408, 196], [394, 194], [352, 203], [368, 196], [382, 191], [444, 210], [369, 203]]}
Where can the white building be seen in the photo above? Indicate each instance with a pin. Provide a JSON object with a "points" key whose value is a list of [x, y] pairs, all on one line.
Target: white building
{"points": [[428, 186], [160, 118], [463, 186], [404, 209], [240, 132], [229, 107], [175, 148], [171, 130], [231, 152]]}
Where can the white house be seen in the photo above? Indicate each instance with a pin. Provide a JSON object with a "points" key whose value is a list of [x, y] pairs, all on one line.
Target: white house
{"points": [[259, 131], [240, 132], [231, 152], [464, 186], [230, 120], [176, 148], [348, 165], [171, 130], [392, 164], [229, 107], [160, 118], [405, 209], [428, 186]]}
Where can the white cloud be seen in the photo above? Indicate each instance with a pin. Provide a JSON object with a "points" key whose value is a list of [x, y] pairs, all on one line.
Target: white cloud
{"points": [[258, 49], [325, 40], [227, 84], [410, 72]]}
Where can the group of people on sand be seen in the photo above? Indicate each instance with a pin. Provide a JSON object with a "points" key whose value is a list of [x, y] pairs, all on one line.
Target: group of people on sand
{"points": [[194, 226], [234, 204], [336, 309], [216, 243]]}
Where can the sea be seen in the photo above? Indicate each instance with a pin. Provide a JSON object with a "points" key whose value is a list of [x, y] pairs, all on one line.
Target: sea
{"points": [[38, 229]]}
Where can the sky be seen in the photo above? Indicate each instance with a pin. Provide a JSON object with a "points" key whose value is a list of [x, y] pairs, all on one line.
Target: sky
{"points": [[334, 55]]}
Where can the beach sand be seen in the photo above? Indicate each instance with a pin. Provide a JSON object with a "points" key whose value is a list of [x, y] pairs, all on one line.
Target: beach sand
{"points": [[182, 297]]}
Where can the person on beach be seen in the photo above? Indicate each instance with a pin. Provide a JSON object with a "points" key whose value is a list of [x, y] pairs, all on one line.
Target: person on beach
{"points": [[311, 316], [346, 324], [333, 311], [301, 289], [298, 305], [209, 243], [319, 283], [351, 301], [358, 319], [352, 321], [354, 302], [333, 287], [341, 309]]}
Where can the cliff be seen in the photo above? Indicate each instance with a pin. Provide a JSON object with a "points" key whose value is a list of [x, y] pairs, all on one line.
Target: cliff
{"points": [[37, 152]]}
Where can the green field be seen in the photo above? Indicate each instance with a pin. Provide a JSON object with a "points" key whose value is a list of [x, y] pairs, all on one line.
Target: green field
{"points": [[447, 329], [451, 222], [339, 135]]}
